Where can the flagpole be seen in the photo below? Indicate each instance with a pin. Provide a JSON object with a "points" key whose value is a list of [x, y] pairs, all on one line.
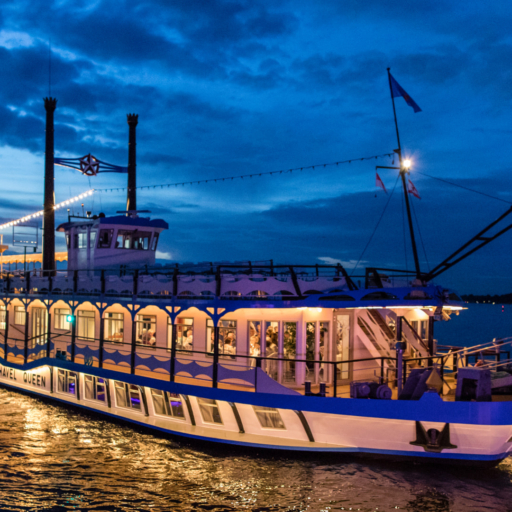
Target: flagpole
{"points": [[403, 170]]}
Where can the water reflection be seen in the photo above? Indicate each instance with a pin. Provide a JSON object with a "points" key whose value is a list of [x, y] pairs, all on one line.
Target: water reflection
{"points": [[58, 459]]}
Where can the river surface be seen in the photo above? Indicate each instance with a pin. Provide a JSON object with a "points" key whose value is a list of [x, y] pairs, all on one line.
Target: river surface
{"points": [[53, 458]]}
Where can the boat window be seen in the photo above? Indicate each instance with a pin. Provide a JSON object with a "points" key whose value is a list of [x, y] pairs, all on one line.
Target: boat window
{"points": [[95, 388], [227, 337], [254, 330], [2, 316], [128, 395], [421, 327], [120, 388], [105, 239], [184, 335], [141, 240], [167, 404], [114, 327], [82, 240], [85, 324], [67, 240], [92, 239], [209, 410], [39, 326], [19, 315], [155, 242], [269, 417], [135, 398], [60, 319], [146, 329], [67, 382], [124, 239]]}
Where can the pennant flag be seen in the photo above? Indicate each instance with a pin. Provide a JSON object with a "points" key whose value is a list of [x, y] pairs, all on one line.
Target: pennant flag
{"points": [[413, 190], [379, 183], [397, 90]]}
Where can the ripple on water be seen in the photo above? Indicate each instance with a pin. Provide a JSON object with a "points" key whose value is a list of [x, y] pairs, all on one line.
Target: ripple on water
{"points": [[58, 459]]}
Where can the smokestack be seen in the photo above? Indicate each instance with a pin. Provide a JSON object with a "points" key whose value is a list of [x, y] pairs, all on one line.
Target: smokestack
{"points": [[50, 104], [131, 203]]}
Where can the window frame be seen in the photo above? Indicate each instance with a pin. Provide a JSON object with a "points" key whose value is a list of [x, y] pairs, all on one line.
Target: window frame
{"points": [[68, 378], [57, 317], [227, 329], [95, 384], [80, 315], [127, 391], [209, 402], [166, 398], [139, 324], [260, 410], [110, 236], [20, 310], [183, 327], [112, 321]]}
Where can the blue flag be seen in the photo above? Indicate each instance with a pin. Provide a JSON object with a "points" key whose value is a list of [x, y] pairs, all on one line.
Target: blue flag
{"points": [[397, 90]]}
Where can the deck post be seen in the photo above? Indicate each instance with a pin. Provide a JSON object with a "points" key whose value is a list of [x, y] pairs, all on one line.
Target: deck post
{"points": [[49, 336], [102, 339], [6, 332], [134, 340], [174, 338], [215, 355], [73, 339], [430, 338], [25, 353]]}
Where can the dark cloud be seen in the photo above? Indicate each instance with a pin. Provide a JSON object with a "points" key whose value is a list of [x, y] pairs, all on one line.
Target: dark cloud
{"points": [[241, 86]]}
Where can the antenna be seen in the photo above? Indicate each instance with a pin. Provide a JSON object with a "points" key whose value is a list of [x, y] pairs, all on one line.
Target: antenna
{"points": [[50, 66]]}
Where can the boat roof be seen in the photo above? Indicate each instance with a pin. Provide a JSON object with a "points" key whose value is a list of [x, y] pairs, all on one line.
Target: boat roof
{"points": [[118, 220]]}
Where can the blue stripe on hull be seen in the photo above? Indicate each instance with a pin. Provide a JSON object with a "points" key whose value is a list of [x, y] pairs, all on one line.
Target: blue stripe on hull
{"points": [[349, 450]]}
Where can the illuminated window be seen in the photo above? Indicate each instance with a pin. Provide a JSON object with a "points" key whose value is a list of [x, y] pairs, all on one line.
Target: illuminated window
{"points": [[95, 388], [268, 417], [167, 404], [85, 324], [146, 329], [227, 337], [114, 327], [209, 410], [2, 316], [82, 240], [67, 382], [92, 239], [19, 315], [60, 316], [185, 334]]}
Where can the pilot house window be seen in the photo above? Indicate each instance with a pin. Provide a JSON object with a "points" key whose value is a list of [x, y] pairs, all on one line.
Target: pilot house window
{"points": [[141, 240], [105, 239]]}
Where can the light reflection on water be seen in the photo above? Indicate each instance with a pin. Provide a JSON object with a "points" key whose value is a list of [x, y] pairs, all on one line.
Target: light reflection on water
{"points": [[58, 459]]}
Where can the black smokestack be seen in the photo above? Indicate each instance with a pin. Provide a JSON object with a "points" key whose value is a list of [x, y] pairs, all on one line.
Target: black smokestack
{"points": [[50, 104], [131, 203]]}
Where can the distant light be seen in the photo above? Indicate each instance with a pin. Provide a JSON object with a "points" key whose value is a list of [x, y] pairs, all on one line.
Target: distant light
{"points": [[407, 163]]}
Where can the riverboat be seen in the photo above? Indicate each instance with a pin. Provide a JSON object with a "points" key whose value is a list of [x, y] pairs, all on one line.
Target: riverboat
{"points": [[303, 358]]}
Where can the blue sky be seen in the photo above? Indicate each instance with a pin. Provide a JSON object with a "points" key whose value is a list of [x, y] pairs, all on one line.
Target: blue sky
{"points": [[233, 87]]}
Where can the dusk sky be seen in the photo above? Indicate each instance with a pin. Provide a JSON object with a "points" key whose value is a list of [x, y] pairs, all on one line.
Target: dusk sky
{"points": [[224, 88]]}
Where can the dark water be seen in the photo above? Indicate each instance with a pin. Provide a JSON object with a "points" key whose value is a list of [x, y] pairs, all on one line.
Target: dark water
{"points": [[53, 458]]}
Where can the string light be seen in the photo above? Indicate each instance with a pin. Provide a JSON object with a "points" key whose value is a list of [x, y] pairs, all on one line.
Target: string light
{"points": [[242, 176], [40, 213]]}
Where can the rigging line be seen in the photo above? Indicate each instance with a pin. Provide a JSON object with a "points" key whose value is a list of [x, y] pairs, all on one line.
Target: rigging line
{"points": [[405, 238], [465, 188], [421, 237], [377, 225], [253, 175]]}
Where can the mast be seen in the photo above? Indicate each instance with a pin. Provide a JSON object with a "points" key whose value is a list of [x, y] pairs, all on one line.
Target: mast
{"points": [[403, 171], [50, 104], [131, 200]]}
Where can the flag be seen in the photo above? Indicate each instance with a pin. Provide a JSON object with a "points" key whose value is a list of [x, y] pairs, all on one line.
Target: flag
{"points": [[413, 190], [379, 183], [397, 90]]}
